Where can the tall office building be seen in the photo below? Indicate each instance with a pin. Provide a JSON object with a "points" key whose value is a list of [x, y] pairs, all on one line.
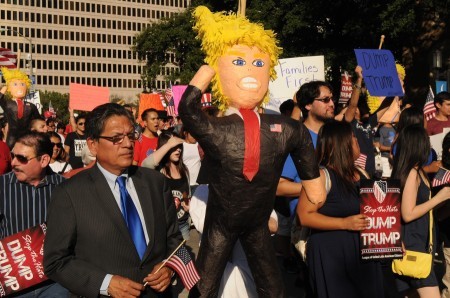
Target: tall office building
{"points": [[87, 42]]}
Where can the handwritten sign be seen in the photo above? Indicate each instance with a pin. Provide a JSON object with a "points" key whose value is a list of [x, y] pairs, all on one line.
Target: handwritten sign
{"points": [[380, 201], [35, 98], [86, 98], [380, 74], [21, 260], [291, 74]]}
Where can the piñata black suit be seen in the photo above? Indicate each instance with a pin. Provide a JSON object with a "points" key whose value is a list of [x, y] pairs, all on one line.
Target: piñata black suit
{"points": [[237, 208], [17, 126]]}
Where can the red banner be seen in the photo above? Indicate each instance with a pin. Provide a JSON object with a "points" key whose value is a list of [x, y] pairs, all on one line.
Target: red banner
{"points": [[21, 260], [380, 201], [346, 88]]}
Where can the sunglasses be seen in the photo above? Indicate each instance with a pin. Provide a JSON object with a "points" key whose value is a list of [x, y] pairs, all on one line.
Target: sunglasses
{"points": [[22, 159], [59, 145], [133, 136], [80, 123], [325, 99]]}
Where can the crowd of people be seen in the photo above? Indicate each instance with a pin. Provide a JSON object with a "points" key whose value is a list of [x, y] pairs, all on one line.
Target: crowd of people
{"points": [[119, 196]]}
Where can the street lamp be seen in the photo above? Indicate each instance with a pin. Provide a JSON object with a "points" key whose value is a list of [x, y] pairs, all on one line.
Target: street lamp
{"points": [[30, 55]]}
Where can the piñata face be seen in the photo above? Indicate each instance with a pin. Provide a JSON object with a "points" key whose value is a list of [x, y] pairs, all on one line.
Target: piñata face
{"points": [[17, 88], [244, 76]]}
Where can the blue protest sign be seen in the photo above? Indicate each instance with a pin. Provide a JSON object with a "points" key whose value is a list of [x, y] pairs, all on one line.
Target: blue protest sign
{"points": [[441, 86], [379, 72]]}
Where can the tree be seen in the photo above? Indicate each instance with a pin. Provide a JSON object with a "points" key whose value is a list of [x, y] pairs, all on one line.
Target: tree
{"points": [[413, 29], [173, 35], [60, 103]]}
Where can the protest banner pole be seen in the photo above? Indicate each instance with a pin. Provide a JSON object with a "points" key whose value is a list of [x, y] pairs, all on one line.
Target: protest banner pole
{"points": [[18, 59], [241, 7], [381, 42]]}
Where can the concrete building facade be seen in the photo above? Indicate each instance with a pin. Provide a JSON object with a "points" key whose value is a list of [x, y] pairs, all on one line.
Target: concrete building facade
{"points": [[86, 42]]}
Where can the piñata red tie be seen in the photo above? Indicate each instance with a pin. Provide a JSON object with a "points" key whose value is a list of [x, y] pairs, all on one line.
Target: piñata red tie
{"points": [[19, 108], [252, 143]]}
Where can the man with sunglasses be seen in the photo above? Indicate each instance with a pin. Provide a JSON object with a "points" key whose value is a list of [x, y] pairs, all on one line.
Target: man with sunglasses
{"points": [[25, 195], [91, 246]]}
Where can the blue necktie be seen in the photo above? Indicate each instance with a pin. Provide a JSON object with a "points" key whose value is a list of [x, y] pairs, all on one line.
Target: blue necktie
{"points": [[132, 217]]}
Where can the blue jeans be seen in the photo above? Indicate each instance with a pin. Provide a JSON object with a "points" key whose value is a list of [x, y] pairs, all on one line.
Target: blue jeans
{"points": [[185, 228], [53, 290]]}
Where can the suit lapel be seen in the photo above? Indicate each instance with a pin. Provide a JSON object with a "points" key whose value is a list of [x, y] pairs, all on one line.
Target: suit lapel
{"points": [[144, 195]]}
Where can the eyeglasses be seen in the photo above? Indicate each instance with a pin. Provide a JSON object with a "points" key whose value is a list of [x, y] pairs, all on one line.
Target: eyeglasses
{"points": [[325, 99], [81, 123], [132, 136], [22, 159], [59, 145]]}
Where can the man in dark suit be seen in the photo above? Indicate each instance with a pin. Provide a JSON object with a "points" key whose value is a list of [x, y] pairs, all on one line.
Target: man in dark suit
{"points": [[88, 247]]}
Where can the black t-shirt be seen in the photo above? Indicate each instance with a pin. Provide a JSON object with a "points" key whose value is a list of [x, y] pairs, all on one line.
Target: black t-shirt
{"points": [[178, 187], [76, 142]]}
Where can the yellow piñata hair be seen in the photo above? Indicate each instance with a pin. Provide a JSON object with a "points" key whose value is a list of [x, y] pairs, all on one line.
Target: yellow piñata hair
{"points": [[15, 74], [218, 32]]}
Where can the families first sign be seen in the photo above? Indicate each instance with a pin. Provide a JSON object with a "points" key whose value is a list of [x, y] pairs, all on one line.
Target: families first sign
{"points": [[291, 74], [379, 72]]}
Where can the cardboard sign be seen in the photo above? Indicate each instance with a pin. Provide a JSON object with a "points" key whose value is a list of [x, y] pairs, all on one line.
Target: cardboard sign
{"points": [[346, 88], [35, 98], [177, 92], [86, 97], [21, 260], [380, 201], [291, 74], [436, 142], [149, 101], [380, 74]]}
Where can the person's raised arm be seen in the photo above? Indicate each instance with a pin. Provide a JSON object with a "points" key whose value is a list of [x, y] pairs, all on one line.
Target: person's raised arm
{"points": [[72, 121], [356, 92], [153, 160]]}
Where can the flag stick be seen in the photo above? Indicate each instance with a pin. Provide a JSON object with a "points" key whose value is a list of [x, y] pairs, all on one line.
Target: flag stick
{"points": [[381, 42], [167, 259]]}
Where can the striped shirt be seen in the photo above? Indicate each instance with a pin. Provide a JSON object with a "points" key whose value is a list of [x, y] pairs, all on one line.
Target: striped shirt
{"points": [[23, 205]]}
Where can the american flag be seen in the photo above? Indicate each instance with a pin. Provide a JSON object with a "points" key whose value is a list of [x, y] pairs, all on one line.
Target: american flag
{"points": [[275, 127], [182, 263], [442, 177], [50, 107], [7, 58], [361, 161], [429, 110], [379, 190]]}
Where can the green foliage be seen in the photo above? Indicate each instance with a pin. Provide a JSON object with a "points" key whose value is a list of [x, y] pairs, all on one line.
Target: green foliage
{"points": [[413, 29], [60, 103], [173, 35]]}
